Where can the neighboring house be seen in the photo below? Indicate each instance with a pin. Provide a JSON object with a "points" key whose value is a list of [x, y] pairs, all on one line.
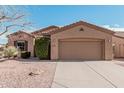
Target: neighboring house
{"points": [[118, 45], [77, 41]]}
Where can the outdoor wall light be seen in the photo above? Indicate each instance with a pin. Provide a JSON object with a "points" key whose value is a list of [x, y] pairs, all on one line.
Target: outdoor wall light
{"points": [[109, 40]]}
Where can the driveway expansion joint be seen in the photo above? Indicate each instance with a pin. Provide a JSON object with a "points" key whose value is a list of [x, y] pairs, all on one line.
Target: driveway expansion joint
{"points": [[60, 84], [101, 76], [53, 76]]}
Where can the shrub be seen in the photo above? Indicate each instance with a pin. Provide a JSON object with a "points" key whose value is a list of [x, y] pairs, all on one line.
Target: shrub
{"points": [[10, 51], [1, 54], [25, 54], [42, 48]]}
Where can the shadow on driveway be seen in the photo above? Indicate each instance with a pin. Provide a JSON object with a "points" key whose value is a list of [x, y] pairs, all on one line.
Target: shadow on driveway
{"points": [[119, 59]]}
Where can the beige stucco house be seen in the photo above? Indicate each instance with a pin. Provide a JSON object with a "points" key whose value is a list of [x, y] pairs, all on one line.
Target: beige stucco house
{"points": [[77, 41]]}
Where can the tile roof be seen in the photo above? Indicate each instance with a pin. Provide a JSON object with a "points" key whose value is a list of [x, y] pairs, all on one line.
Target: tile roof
{"points": [[119, 34], [82, 23], [45, 30], [55, 29], [37, 33], [16, 33]]}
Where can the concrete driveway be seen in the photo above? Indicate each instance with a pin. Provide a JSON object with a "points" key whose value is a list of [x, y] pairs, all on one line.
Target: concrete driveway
{"points": [[89, 74]]}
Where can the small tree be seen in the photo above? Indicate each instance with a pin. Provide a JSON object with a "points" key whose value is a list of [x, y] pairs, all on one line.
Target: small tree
{"points": [[12, 18]]}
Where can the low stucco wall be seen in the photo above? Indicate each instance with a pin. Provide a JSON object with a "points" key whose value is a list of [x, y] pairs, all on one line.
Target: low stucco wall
{"points": [[118, 46], [22, 36], [87, 33]]}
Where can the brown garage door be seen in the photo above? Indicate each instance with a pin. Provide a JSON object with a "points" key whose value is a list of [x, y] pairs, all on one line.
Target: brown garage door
{"points": [[80, 50]]}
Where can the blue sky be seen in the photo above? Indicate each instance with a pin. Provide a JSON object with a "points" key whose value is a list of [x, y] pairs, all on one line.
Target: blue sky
{"points": [[43, 16], [61, 15]]}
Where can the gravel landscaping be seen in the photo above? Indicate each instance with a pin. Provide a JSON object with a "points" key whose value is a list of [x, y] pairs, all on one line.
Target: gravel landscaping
{"points": [[26, 74]]}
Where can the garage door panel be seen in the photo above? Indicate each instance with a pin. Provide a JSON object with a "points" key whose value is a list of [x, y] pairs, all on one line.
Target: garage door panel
{"points": [[75, 50]]}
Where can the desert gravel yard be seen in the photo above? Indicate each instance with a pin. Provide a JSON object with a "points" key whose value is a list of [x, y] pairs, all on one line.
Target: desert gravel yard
{"points": [[26, 74], [33, 73]]}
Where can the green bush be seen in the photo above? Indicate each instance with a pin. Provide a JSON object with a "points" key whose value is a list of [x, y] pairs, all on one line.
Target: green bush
{"points": [[42, 48], [1, 54], [10, 51], [25, 54]]}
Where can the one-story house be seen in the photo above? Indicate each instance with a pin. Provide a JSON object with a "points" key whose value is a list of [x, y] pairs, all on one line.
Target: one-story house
{"points": [[76, 41]]}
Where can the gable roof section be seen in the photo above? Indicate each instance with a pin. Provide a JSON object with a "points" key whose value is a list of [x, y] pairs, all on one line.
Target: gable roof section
{"points": [[16, 33], [55, 29], [85, 24], [40, 32], [119, 34], [45, 30]]}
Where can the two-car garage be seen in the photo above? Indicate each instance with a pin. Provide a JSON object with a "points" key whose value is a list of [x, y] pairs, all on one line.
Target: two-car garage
{"points": [[81, 41], [83, 49]]}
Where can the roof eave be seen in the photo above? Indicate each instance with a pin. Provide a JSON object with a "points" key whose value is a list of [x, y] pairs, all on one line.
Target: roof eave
{"points": [[85, 24]]}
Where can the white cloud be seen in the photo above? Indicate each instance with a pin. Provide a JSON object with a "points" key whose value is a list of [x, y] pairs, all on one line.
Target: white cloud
{"points": [[115, 27], [3, 39], [106, 26], [4, 36]]}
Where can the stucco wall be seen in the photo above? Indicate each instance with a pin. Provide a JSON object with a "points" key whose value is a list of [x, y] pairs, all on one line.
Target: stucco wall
{"points": [[118, 45], [22, 36], [87, 33]]}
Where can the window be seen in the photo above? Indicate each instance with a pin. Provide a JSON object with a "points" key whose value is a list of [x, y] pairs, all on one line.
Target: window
{"points": [[22, 45]]}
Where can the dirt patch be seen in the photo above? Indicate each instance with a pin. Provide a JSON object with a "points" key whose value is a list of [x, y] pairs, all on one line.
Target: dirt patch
{"points": [[15, 74]]}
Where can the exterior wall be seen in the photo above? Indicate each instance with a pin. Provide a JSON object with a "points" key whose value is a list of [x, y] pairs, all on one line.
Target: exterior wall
{"points": [[87, 33], [118, 46], [22, 36]]}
